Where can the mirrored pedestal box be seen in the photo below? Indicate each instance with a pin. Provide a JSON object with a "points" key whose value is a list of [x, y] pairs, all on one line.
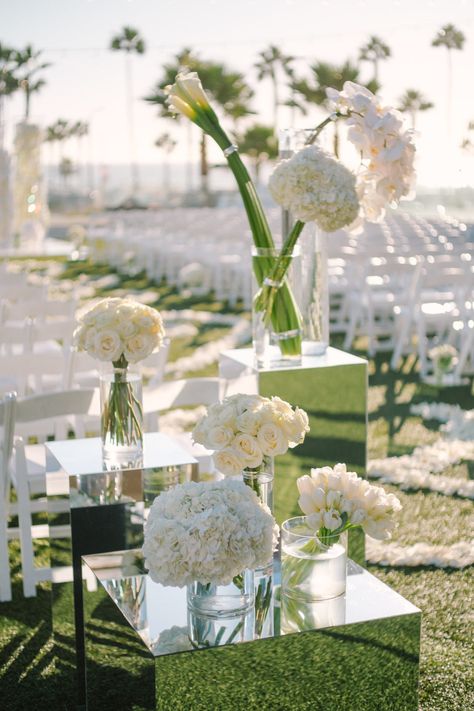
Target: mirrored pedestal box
{"points": [[146, 650], [100, 511]]}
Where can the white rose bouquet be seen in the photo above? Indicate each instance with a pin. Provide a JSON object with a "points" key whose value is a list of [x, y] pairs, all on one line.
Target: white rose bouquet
{"points": [[335, 500], [245, 429], [312, 185], [444, 359], [207, 532], [120, 331]]}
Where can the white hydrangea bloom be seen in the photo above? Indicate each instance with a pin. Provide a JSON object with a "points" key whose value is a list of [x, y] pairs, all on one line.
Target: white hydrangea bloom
{"points": [[315, 186], [333, 498], [207, 532]]}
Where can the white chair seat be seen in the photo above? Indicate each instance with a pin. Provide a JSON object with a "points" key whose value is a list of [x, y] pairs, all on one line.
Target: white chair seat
{"points": [[36, 467]]}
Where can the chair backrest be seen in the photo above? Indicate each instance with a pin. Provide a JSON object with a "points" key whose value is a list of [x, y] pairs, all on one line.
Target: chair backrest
{"points": [[7, 431], [25, 368], [181, 393], [47, 414]]}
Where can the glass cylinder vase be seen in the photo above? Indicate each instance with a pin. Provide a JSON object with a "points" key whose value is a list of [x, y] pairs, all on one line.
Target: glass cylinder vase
{"points": [[260, 479], [276, 321], [121, 417], [215, 601], [312, 567], [314, 287]]}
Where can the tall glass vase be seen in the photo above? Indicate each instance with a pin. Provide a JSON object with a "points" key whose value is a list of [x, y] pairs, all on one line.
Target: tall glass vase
{"points": [[314, 286], [274, 348], [121, 417], [260, 479]]}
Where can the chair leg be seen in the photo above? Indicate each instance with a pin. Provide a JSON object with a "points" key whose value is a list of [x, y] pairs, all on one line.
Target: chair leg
{"points": [[25, 523], [5, 581]]}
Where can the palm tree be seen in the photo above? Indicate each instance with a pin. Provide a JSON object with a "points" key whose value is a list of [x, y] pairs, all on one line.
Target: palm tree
{"points": [[66, 169], [260, 143], [8, 82], [412, 102], [468, 142], [451, 38], [59, 132], [79, 130], [29, 66], [225, 87], [167, 144], [374, 51], [327, 75], [129, 41], [270, 61]]}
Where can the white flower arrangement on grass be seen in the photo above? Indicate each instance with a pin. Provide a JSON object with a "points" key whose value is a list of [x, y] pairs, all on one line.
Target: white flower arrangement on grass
{"points": [[444, 359], [120, 331], [244, 429], [335, 500], [207, 532]]}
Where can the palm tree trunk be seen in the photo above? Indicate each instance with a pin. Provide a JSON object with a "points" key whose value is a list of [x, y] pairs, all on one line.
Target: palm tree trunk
{"points": [[450, 93], [336, 140], [276, 102], [204, 165], [27, 104], [2, 121], [131, 128]]}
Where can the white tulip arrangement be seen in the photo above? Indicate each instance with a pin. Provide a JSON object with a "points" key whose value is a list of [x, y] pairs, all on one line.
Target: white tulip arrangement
{"points": [[244, 429], [335, 500]]}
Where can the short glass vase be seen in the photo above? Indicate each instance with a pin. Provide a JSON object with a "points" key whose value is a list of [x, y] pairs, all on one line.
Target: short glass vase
{"points": [[311, 568], [216, 601], [121, 416]]}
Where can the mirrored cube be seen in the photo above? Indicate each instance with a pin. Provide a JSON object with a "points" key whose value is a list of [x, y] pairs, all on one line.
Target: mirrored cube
{"points": [[358, 652], [92, 509], [332, 389]]}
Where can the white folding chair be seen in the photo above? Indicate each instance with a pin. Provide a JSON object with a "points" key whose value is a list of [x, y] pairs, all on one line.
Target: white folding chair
{"points": [[28, 417], [7, 406]]}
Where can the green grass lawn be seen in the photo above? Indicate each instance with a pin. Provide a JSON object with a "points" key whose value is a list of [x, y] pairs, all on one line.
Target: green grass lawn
{"points": [[27, 676]]}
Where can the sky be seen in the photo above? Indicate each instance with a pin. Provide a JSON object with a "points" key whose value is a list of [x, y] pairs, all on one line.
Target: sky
{"points": [[86, 80]]}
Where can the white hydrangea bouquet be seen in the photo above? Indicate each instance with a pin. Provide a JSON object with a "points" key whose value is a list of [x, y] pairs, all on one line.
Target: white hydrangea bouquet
{"points": [[120, 332], [312, 185], [207, 532], [245, 429], [335, 500], [444, 359]]}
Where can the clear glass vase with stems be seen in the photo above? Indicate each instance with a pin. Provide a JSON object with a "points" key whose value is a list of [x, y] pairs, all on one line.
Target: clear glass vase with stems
{"points": [[260, 479], [313, 300], [121, 415], [205, 631], [313, 567], [282, 347], [216, 601]]}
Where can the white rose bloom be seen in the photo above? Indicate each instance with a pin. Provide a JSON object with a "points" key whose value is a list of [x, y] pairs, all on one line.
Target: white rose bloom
{"points": [[228, 462], [248, 422], [200, 433], [219, 437], [138, 347], [272, 440], [248, 449], [107, 345], [296, 427], [127, 329]]}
